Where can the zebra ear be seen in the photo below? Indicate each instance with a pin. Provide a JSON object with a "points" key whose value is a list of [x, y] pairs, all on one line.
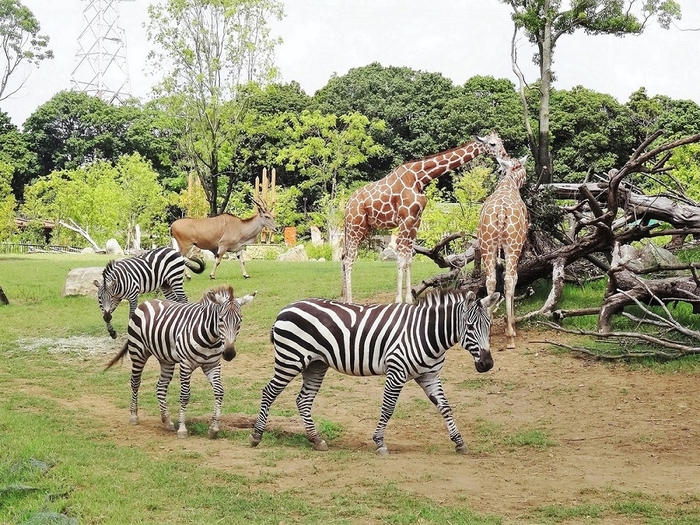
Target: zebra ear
{"points": [[246, 298], [492, 299], [96, 283], [470, 296]]}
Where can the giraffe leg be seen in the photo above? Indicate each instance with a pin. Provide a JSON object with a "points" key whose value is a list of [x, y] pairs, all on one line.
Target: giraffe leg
{"points": [[404, 255], [509, 282], [346, 263]]}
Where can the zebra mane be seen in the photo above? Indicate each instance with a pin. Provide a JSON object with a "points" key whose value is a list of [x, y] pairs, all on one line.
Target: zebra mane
{"points": [[218, 295], [436, 296], [109, 268]]}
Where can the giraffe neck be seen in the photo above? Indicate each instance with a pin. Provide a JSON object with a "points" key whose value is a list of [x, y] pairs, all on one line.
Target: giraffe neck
{"points": [[429, 168]]}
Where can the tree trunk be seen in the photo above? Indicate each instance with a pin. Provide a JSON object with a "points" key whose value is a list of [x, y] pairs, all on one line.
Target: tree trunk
{"points": [[543, 162]]}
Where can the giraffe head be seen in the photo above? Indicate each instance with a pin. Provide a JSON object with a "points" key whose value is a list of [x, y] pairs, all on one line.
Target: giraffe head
{"points": [[513, 168], [492, 145]]}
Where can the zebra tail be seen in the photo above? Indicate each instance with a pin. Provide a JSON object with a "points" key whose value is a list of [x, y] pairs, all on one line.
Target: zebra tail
{"points": [[119, 356], [195, 264]]}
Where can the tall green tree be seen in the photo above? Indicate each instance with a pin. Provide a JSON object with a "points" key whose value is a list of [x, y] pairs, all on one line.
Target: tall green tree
{"points": [[207, 50], [21, 45], [544, 22], [105, 200], [15, 153], [326, 150]]}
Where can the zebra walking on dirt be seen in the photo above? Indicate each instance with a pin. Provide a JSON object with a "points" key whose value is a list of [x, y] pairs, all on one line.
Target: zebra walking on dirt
{"points": [[128, 278], [191, 335], [399, 340]]}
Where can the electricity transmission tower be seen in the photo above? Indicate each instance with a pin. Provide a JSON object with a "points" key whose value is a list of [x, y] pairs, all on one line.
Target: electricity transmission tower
{"points": [[101, 67]]}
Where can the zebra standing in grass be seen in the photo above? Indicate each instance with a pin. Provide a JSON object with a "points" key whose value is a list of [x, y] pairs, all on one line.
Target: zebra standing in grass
{"points": [[192, 335], [399, 340], [127, 278]]}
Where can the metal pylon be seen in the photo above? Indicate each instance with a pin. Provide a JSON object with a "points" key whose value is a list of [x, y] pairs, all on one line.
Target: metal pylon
{"points": [[101, 67]]}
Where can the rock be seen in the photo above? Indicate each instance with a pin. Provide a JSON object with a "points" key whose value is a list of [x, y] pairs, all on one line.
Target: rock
{"points": [[388, 254], [112, 248], [316, 237], [80, 281], [298, 253]]}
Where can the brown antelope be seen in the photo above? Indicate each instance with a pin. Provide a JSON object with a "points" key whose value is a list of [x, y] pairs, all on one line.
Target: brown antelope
{"points": [[221, 234]]}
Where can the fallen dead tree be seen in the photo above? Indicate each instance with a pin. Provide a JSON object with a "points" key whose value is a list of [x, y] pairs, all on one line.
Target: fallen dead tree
{"points": [[597, 217]]}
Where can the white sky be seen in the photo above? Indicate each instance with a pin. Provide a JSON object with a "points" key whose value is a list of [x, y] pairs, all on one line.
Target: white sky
{"points": [[458, 38]]}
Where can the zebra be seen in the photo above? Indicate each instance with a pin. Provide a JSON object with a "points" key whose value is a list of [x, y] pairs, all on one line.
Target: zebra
{"points": [[399, 340], [192, 335], [127, 278]]}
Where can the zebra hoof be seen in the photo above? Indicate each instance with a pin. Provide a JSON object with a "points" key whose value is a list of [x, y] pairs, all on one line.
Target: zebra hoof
{"points": [[182, 434], [461, 449], [320, 445], [213, 433], [382, 451], [246, 276], [113, 334], [254, 440], [134, 420]]}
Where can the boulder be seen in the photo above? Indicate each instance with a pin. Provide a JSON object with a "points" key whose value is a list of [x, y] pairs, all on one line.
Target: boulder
{"points": [[112, 248], [80, 281], [298, 253]]}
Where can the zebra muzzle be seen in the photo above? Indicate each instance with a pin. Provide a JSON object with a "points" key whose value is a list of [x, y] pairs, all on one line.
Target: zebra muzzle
{"points": [[107, 316], [485, 362], [229, 353]]}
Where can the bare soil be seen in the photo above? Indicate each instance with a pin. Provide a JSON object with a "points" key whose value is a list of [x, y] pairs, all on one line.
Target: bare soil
{"points": [[613, 433]]}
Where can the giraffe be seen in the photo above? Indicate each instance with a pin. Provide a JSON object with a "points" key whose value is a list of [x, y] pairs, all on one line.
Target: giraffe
{"points": [[398, 200], [502, 229]]}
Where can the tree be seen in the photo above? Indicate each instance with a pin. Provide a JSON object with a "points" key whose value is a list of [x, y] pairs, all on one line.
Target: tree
{"points": [[7, 203], [544, 22], [325, 149], [15, 152], [104, 200], [20, 42], [207, 50]]}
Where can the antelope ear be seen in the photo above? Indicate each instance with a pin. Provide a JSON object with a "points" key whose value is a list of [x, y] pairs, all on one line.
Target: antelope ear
{"points": [[246, 298]]}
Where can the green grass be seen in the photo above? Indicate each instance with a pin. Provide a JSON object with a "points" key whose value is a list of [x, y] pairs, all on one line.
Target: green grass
{"points": [[57, 458]]}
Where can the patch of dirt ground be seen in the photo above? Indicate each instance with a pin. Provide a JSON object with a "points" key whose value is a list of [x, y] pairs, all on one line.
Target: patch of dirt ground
{"points": [[611, 430]]}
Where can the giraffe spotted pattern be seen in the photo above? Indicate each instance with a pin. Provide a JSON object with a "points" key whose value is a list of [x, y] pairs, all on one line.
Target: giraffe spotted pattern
{"points": [[397, 201], [502, 230]]}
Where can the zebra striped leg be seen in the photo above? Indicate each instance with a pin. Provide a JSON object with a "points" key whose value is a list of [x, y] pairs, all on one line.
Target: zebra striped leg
{"points": [[213, 374], [432, 386], [174, 292], [136, 371], [273, 389], [395, 381], [185, 376], [313, 378], [166, 375]]}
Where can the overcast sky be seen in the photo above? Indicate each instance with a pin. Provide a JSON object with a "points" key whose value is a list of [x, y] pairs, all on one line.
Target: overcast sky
{"points": [[458, 38]]}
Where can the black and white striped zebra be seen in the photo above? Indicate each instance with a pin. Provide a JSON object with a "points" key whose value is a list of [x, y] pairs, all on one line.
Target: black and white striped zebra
{"points": [[128, 278], [191, 335], [401, 341]]}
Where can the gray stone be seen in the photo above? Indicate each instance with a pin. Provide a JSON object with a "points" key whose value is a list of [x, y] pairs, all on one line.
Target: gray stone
{"points": [[112, 248], [80, 281], [298, 253]]}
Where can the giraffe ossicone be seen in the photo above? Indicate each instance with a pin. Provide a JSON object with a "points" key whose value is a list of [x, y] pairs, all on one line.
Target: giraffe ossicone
{"points": [[501, 232], [397, 201]]}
